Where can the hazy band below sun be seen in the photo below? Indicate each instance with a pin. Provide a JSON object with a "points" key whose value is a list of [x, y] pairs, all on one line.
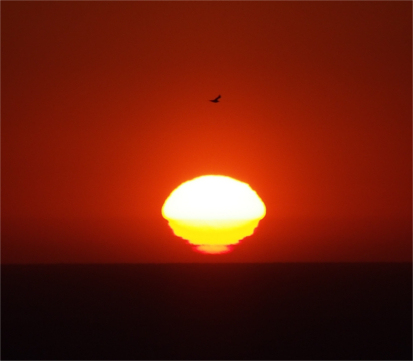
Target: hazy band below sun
{"points": [[213, 212]]}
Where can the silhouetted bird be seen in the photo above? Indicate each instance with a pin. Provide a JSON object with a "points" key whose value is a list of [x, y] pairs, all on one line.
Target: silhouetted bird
{"points": [[216, 99]]}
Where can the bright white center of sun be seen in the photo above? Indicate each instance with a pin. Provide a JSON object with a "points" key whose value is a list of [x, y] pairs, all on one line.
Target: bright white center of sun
{"points": [[213, 198]]}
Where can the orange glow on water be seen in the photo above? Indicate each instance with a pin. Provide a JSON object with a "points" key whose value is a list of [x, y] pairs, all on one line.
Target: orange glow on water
{"points": [[213, 212]]}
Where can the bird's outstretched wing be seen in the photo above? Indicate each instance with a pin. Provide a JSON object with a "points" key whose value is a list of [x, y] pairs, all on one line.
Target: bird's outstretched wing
{"points": [[216, 99]]}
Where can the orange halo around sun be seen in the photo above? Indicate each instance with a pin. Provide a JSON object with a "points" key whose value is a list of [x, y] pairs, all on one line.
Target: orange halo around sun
{"points": [[213, 212]]}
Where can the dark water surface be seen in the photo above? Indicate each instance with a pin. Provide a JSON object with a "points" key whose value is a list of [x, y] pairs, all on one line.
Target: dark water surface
{"points": [[207, 311]]}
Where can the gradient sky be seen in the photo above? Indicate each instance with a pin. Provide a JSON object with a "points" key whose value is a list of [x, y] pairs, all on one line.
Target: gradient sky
{"points": [[105, 111]]}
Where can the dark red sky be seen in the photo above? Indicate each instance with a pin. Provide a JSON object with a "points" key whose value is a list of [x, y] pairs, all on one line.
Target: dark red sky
{"points": [[105, 111]]}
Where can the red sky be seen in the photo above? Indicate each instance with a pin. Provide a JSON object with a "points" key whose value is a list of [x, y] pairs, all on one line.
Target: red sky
{"points": [[105, 111]]}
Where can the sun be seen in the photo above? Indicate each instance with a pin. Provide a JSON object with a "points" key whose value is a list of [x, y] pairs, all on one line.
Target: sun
{"points": [[213, 212]]}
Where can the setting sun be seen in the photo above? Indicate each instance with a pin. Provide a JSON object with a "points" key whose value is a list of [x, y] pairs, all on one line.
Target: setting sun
{"points": [[213, 212]]}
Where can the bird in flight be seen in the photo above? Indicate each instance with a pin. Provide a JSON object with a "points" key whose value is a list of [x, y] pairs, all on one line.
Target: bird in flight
{"points": [[216, 99]]}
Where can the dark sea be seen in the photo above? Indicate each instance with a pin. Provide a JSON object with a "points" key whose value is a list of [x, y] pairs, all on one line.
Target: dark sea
{"points": [[286, 311]]}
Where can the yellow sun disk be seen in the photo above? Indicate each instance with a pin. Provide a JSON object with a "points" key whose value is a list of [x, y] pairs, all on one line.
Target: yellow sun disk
{"points": [[213, 212]]}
